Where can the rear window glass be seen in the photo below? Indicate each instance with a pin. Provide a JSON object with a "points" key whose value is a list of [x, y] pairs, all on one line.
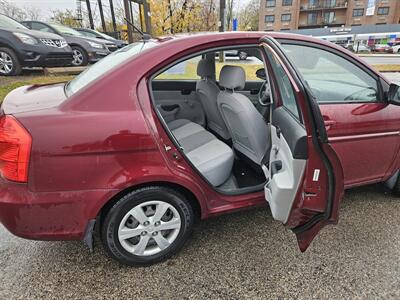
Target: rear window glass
{"points": [[106, 64]]}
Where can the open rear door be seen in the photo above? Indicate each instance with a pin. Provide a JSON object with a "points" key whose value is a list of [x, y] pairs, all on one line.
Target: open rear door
{"points": [[305, 177]]}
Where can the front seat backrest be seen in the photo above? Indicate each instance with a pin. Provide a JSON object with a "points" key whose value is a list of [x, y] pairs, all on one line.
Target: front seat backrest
{"points": [[250, 134], [208, 91]]}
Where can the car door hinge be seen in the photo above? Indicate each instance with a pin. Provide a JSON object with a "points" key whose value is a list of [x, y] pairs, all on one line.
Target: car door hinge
{"points": [[167, 148]]}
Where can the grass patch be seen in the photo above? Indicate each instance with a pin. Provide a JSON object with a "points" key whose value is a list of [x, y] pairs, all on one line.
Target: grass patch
{"points": [[10, 83], [189, 71], [387, 68]]}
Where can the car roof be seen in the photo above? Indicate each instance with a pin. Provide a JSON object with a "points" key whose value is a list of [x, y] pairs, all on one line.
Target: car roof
{"points": [[206, 37]]}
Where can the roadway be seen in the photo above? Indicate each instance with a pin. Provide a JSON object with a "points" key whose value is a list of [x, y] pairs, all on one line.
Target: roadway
{"points": [[242, 255]]}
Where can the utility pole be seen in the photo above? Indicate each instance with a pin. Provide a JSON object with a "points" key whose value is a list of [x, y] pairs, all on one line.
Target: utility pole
{"points": [[128, 17], [114, 23], [103, 23], [79, 12], [147, 16], [90, 14], [221, 24]]}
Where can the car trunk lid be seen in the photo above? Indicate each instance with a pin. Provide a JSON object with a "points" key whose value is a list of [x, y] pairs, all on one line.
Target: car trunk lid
{"points": [[33, 97]]}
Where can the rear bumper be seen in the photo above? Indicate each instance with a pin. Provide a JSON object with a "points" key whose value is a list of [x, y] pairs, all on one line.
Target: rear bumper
{"points": [[48, 215]]}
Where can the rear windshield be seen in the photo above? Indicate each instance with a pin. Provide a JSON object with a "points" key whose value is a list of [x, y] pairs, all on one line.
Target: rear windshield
{"points": [[114, 59]]}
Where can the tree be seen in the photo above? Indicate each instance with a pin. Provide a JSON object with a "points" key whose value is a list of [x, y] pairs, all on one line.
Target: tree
{"points": [[19, 13], [12, 10], [176, 16], [66, 17], [248, 16], [33, 13], [229, 13]]}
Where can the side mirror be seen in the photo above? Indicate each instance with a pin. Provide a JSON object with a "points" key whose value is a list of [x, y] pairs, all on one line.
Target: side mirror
{"points": [[260, 73], [394, 94]]}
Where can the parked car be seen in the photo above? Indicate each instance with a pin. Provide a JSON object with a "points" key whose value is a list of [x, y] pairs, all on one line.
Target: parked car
{"points": [[142, 156], [361, 48], [21, 47], [234, 53], [396, 48], [91, 33], [85, 50], [381, 48]]}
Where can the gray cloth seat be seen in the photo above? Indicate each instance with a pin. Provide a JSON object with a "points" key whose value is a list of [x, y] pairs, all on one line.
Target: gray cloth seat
{"points": [[250, 133], [208, 91], [212, 157]]}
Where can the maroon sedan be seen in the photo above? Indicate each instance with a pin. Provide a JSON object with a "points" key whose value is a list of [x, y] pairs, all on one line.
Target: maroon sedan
{"points": [[161, 133]]}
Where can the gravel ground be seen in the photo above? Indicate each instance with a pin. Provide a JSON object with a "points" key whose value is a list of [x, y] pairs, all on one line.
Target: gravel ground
{"points": [[242, 255]]}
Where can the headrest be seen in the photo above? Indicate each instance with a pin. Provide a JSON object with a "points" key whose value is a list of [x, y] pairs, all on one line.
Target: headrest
{"points": [[232, 77], [206, 68]]}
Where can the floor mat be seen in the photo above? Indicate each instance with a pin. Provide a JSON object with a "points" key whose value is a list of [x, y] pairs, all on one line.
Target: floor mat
{"points": [[245, 175]]}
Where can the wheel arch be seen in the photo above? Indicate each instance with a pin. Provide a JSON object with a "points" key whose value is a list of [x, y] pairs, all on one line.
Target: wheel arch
{"points": [[189, 195], [79, 46]]}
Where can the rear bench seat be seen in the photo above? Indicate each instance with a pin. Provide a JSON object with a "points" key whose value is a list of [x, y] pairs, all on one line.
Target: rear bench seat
{"points": [[212, 157]]}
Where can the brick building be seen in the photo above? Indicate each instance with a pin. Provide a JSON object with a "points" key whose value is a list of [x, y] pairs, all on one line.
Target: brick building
{"points": [[276, 15]]}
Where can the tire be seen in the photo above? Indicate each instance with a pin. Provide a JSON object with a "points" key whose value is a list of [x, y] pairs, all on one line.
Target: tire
{"points": [[142, 246], [396, 188], [80, 57], [9, 63], [242, 55]]}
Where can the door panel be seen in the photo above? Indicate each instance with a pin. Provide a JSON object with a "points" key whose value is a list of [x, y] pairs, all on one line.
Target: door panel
{"points": [[306, 196], [287, 163], [177, 99], [365, 136]]}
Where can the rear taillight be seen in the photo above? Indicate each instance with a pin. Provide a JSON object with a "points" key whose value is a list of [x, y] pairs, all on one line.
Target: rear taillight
{"points": [[15, 149]]}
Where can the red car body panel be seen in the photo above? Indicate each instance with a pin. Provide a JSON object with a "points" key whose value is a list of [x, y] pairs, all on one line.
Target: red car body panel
{"points": [[106, 139], [366, 138]]}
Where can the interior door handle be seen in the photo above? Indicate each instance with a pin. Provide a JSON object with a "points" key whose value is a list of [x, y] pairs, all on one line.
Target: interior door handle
{"points": [[276, 166], [278, 132]]}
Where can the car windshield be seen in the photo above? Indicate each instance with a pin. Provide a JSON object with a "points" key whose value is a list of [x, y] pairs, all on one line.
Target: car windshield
{"points": [[66, 30], [103, 66], [6, 22]]}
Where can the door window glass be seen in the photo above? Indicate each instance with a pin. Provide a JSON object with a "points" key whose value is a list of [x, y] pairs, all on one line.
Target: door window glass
{"points": [[244, 58], [285, 87], [40, 27], [185, 70], [331, 77]]}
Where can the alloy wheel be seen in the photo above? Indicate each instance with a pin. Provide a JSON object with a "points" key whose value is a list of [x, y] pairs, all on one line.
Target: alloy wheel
{"points": [[77, 57], [6, 63], [149, 228]]}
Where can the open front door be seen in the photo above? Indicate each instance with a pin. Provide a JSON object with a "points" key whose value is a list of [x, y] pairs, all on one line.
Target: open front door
{"points": [[305, 177]]}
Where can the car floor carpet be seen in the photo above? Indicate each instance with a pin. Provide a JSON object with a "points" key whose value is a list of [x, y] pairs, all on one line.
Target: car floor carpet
{"points": [[245, 175]]}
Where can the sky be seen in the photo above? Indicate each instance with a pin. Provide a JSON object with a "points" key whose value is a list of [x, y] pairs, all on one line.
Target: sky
{"points": [[47, 6]]}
